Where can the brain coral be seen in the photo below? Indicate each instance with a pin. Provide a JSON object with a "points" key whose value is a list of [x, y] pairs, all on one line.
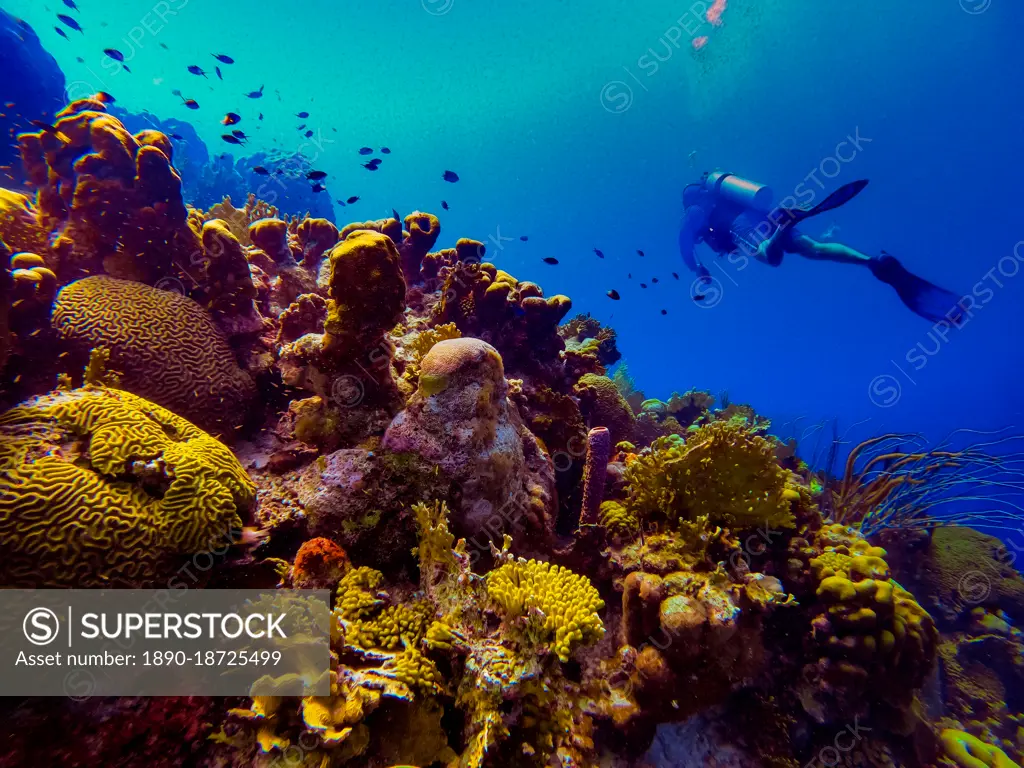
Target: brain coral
{"points": [[164, 345], [100, 488]]}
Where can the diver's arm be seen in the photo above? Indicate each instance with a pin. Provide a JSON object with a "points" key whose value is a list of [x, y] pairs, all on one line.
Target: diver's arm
{"points": [[694, 221]]}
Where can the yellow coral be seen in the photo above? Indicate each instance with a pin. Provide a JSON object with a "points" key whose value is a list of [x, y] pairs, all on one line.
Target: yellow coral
{"points": [[619, 521], [722, 470], [357, 593], [423, 342], [559, 606], [393, 625], [101, 488], [970, 752], [415, 670]]}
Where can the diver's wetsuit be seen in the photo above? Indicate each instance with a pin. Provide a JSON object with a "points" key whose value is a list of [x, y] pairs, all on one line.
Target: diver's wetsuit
{"points": [[727, 225]]}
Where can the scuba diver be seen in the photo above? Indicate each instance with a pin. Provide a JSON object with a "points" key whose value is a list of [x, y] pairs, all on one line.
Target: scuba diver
{"points": [[729, 213]]}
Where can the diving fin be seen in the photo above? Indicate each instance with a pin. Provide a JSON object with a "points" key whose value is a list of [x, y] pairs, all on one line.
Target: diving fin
{"points": [[923, 298], [840, 197]]}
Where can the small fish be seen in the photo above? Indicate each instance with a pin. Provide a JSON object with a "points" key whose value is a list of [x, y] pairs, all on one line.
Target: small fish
{"points": [[307, 134], [385, 151], [654, 279], [60, 32], [191, 103], [318, 187], [675, 275], [353, 199], [261, 116], [221, 58], [524, 238], [79, 59], [256, 94], [664, 311], [600, 255], [629, 275], [316, 175], [115, 54], [394, 215], [71, 4], [643, 285], [68, 21], [365, 151], [613, 295], [164, 46], [450, 176], [105, 97], [219, 75], [444, 205], [301, 127], [261, 170], [550, 260], [231, 118], [371, 166], [639, 252], [196, 70], [302, 115], [231, 139], [177, 137], [176, 92], [239, 135], [47, 128], [340, 202]]}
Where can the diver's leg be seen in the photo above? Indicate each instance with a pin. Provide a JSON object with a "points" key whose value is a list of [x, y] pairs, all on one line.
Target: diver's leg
{"points": [[810, 248]]}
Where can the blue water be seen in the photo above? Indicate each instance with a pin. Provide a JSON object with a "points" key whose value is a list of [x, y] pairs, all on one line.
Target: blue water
{"points": [[578, 124]]}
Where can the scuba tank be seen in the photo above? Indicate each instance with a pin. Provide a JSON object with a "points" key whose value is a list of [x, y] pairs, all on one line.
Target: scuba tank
{"points": [[735, 189]]}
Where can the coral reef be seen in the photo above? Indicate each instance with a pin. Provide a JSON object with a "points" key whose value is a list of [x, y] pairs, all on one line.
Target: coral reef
{"points": [[164, 345], [101, 488]]}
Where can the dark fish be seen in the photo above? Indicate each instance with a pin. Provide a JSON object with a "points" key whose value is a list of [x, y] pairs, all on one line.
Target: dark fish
{"points": [[371, 166], [239, 135], [316, 175], [643, 285], [302, 114], [256, 94], [71, 4], [629, 275], [385, 151], [641, 253], [654, 279], [318, 187], [125, 67], [261, 170], [105, 97], [60, 32], [613, 295], [524, 238], [353, 199], [176, 137], [231, 139], [219, 75], [451, 176], [394, 215], [164, 46], [231, 118], [301, 127], [664, 311], [340, 202], [191, 103], [79, 59], [222, 58], [115, 54], [444, 205], [307, 134], [550, 260], [196, 70], [599, 254], [67, 20], [365, 151], [675, 275], [261, 116]]}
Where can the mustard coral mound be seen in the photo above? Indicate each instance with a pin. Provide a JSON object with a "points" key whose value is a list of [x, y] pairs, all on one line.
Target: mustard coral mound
{"points": [[722, 470], [560, 607], [165, 346], [99, 488]]}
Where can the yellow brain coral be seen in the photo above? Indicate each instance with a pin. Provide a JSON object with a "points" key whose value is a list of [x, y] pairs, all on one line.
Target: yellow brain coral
{"points": [[721, 470], [560, 607], [969, 752], [100, 488], [165, 345]]}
